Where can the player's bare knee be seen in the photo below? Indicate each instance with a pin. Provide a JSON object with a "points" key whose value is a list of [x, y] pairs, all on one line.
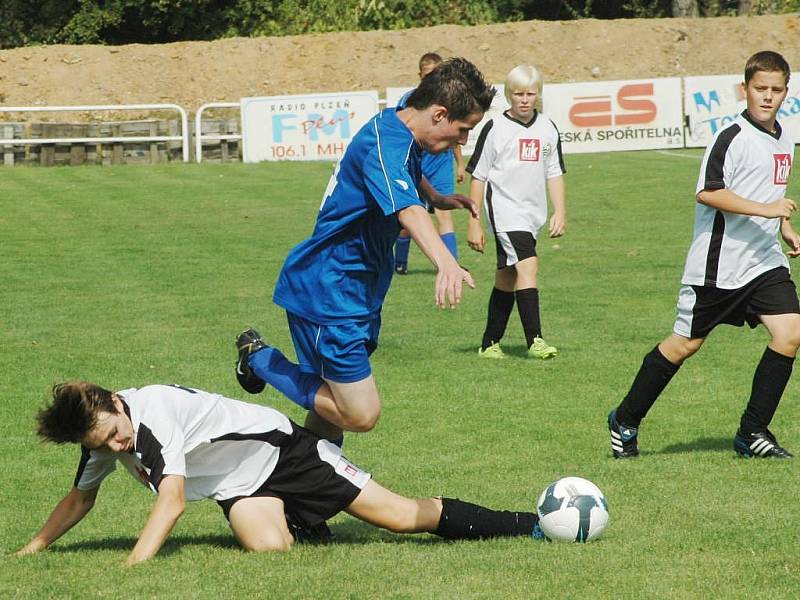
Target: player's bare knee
{"points": [[364, 421], [269, 543]]}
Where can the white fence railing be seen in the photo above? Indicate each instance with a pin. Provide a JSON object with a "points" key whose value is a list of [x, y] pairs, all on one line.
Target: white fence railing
{"points": [[199, 136], [183, 138]]}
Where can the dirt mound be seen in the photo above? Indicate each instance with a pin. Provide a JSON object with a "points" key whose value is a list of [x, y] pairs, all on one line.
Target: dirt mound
{"points": [[191, 73]]}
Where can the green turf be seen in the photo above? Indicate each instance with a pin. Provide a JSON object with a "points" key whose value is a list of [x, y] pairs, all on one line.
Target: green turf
{"points": [[137, 275]]}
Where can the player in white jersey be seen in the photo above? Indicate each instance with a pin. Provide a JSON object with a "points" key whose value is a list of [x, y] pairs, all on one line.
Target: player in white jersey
{"points": [[736, 271], [517, 163], [261, 468]]}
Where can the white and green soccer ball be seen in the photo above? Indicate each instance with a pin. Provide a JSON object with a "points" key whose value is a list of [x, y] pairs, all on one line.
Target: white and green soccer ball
{"points": [[572, 509]]}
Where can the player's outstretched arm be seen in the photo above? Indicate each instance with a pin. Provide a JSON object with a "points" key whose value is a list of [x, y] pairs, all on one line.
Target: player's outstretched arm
{"points": [[556, 189], [450, 275], [475, 238], [728, 201], [791, 237], [69, 511], [166, 511]]}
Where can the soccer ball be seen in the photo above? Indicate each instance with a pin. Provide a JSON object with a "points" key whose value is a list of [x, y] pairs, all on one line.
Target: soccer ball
{"points": [[572, 509]]}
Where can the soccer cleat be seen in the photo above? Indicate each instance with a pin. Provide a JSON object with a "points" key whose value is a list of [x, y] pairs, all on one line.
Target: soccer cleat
{"points": [[541, 349], [624, 443], [537, 532], [317, 534], [760, 444], [401, 268], [248, 342], [494, 351]]}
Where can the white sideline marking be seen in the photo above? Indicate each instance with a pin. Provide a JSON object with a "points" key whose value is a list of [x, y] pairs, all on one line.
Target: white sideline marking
{"points": [[674, 153]]}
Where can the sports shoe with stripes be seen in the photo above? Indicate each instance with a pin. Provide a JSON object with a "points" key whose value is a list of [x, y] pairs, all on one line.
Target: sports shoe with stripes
{"points": [[624, 443], [249, 341], [759, 444]]}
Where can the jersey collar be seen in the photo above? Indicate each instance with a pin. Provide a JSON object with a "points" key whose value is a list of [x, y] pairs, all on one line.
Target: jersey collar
{"points": [[778, 129], [525, 125]]}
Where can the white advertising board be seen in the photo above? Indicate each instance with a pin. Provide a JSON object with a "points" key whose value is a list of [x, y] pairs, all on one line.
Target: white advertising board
{"points": [[605, 116], [393, 95], [305, 127], [712, 102]]}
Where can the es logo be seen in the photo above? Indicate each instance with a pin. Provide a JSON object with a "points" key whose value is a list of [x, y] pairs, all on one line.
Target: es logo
{"points": [[633, 108], [783, 164], [529, 150]]}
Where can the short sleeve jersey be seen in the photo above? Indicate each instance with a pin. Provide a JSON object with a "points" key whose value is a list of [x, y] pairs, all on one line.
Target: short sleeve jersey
{"points": [[515, 159], [729, 250], [223, 447], [343, 271]]}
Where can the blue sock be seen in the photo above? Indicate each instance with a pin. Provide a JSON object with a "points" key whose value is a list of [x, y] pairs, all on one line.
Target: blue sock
{"points": [[449, 240], [401, 248], [286, 377]]}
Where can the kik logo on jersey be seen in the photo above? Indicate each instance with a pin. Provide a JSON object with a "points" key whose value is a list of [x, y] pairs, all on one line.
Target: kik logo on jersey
{"points": [[783, 165], [529, 150]]}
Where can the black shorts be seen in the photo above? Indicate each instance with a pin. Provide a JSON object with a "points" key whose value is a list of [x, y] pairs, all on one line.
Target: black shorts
{"points": [[513, 246], [701, 308], [312, 478]]}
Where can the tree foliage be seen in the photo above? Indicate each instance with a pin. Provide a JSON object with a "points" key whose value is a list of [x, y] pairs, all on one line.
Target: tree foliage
{"points": [[30, 22]]}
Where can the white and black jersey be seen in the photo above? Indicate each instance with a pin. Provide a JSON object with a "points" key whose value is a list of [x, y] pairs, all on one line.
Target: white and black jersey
{"points": [[224, 448], [729, 250], [515, 159]]}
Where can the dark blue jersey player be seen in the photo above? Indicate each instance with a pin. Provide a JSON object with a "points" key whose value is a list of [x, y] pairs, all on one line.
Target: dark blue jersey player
{"points": [[332, 284]]}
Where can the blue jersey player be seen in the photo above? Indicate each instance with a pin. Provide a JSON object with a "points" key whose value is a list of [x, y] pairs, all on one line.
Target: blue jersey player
{"points": [[333, 284], [438, 170]]}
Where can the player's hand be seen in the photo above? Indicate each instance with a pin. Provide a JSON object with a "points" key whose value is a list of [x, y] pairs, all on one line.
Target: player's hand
{"points": [[460, 175], [475, 239], [792, 239], [455, 201], [558, 225], [449, 282], [780, 208]]}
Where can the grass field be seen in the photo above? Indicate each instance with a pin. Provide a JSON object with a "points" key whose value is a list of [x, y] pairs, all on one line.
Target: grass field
{"points": [[128, 276]]}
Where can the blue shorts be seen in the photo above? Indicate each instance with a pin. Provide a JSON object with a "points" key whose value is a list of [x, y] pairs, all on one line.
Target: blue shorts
{"points": [[339, 353]]}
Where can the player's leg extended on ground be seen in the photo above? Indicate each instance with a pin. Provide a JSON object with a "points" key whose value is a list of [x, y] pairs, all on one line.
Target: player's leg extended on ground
{"points": [[773, 371], [445, 517], [447, 230], [501, 303], [527, 296], [259, 524], [657, 370]]}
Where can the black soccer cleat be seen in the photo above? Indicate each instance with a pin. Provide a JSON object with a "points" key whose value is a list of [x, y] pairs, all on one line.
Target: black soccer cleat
{"points": [[401, 268], [248, 342], [624, 442], [759, 444], [317, 534]]}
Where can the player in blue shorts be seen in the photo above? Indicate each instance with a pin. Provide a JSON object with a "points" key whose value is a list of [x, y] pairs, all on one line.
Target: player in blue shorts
{"points": [[333, 284], [438, 170]]}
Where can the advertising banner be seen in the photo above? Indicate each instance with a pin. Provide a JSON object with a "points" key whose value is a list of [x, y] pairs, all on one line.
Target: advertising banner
{"points": [[606, 116], [305, 127], [714, 101]]}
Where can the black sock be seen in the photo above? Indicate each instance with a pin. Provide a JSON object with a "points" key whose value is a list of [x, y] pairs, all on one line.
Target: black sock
{"points": [[653, 376], [528, 308], [466, 521], [770, 379], [500, 305]]}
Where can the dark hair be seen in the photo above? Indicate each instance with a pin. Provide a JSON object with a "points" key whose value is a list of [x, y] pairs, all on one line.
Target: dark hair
{"points": [[769, 61], [457, 85], [73, 411], [428, 58]]}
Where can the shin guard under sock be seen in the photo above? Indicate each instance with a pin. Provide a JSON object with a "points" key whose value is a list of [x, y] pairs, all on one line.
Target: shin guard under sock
{"points": [[286, 377], [500, 306], [466, 521], [653, 376], [770, 379]]}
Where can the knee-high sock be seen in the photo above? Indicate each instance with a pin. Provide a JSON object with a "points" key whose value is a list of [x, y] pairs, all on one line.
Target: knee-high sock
{"points": [[653, 376], [401, 249], [528, 308], [286, 377], [770, 379], [450, 241], [466, 521], [500, 305]]}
